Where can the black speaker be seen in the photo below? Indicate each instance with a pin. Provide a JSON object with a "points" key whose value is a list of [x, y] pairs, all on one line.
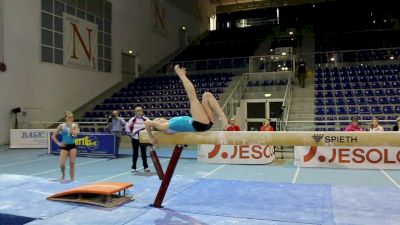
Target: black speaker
{"points": [[16, 110]]}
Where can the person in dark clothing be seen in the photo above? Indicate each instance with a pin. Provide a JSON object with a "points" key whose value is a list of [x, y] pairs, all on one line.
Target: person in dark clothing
{"points": [[396, 127], [301, 73], [132, 128]]}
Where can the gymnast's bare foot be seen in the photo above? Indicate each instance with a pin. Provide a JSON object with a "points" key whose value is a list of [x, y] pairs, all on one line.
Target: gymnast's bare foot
{"points": [[179, 71], [63, 180]]}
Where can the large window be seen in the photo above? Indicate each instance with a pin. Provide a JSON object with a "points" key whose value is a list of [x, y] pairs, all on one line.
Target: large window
{"points": [[95, 11]]}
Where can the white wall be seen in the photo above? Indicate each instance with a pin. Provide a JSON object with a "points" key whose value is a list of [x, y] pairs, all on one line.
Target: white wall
{"points": [[45, 90]]}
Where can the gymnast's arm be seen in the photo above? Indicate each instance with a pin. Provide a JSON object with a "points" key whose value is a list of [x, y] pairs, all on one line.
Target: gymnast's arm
{"points": [[155, 125], [54, 136]]}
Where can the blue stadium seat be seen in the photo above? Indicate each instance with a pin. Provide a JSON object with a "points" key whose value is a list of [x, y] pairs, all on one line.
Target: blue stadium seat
{"points": [[361, 101], [357, 85], [331, 118], [383, 100], [382, 78], [394, 100], [376, 110], [331, 111], [336, 80], [392, 78], [319, 111], [386, 84], [329, 101], [328, 87], [337, 86], [341, 110], [363, 79], [327, 80], [372, 101], [353, 110], [358, 93], [319, 94], [346, 86], [373, 79], [348, 93], [397, 109], [319, 102], [345, 80], [339, 94], [388, 109], [367, 117], [365, 110], [340, 101], [152, 114], [396, 84], [375, 85], [328, 94], [379, 92], [369, 93], [366, 86], [354, 79], [344, 119], [350, 101], [319, 118]]}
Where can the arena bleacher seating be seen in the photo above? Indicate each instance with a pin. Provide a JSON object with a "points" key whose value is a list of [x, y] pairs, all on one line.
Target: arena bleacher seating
{"points": [[361, 91], [159, 97]]}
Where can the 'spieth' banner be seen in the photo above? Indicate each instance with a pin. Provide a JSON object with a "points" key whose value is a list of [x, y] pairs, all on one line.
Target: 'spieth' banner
{"points": [[236, 154], [348, 157], [80, 43]]}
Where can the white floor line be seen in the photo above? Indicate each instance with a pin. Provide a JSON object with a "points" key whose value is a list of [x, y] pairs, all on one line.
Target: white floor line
{"points": [[296, 175], [80, 164], [213, 171], [22, 162], [121, 174], [391, 179]]}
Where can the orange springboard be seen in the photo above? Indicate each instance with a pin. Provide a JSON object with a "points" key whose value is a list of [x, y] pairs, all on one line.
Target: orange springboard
{"points": [[105, 192], [103, 188]]}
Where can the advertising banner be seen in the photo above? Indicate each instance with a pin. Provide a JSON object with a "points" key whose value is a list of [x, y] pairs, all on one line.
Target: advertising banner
{"points": [[348, 157], [29, 138], [236, 154], [89, 144]]}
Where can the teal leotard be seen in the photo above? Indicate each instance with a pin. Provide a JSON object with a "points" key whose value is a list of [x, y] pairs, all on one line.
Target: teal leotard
{"points": [[181, 124], [66, 135]]}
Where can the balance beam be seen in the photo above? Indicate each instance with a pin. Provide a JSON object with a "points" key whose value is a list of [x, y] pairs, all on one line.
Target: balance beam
{"points": [[280, 138]]}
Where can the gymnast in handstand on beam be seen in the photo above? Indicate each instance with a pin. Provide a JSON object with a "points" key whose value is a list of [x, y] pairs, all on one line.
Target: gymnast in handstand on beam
{"points": [[202, 113]]}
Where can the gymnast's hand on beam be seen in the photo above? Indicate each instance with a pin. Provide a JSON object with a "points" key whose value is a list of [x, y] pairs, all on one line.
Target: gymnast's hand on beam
{"points": [[153, 141]]}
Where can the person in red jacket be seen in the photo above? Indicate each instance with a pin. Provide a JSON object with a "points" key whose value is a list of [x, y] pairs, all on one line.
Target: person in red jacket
{"points": [[267, 126], [232, 125], [354, 125]]}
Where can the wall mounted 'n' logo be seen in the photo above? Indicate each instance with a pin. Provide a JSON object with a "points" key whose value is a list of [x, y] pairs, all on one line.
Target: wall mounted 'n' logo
{"points": [[80, 42], [86, 47], [159, 14]]}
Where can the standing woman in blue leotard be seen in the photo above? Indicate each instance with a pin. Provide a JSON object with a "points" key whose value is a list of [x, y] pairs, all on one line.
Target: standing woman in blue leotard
{"points": [[202, 113], [68, 130]]}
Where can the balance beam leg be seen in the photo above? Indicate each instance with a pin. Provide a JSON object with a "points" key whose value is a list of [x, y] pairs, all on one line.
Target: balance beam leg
{"points": [[157, 164], [168, 176]]}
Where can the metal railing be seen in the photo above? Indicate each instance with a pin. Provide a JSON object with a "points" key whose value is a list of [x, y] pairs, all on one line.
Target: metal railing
{"points": [[233, 100], [206, 65], [351, 57], [337, 125], [271, 63]]}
